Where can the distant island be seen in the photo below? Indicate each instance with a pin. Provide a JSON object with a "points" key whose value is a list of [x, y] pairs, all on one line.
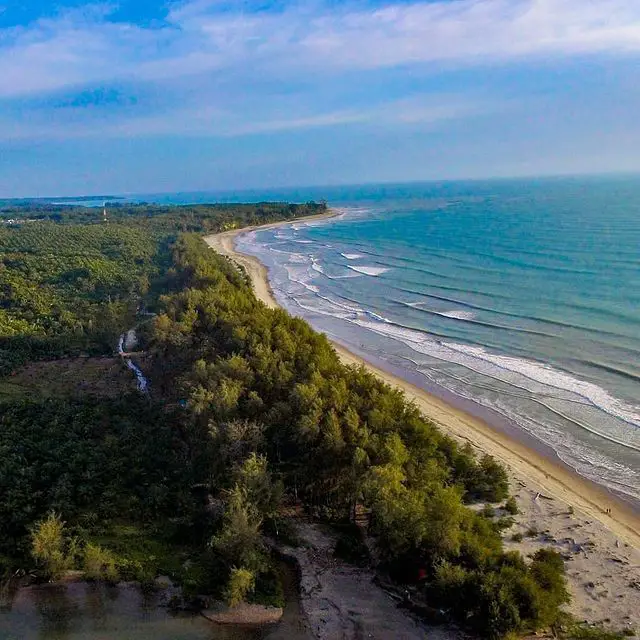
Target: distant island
{"points": [[71, 200]]}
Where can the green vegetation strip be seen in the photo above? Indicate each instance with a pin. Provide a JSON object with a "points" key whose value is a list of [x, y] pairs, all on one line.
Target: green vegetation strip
{"points": [[250, 410]]}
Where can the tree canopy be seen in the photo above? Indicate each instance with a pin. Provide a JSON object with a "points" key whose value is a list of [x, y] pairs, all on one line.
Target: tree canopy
{"points": [[249, 408]]}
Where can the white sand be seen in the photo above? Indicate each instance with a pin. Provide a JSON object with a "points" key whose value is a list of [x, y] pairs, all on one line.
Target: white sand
{"points": [[602, 550]]}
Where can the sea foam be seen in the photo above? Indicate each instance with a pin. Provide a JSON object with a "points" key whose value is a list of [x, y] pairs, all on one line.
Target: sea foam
{"points": [[547, 375]]}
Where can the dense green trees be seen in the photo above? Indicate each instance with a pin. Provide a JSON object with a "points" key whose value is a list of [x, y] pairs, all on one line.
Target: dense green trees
{"points": [[69, 283], [70, 289], [91, 460], [207, 218], [337, 436], [249, 405], [123, 472]]}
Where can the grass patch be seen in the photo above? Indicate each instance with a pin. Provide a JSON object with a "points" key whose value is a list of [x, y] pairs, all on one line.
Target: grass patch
{"points": [[584, 632], [104, 377], [10, 390], [141, 555]]}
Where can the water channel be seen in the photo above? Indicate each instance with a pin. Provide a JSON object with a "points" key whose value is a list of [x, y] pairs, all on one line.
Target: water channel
{"points": [[97, 611], [92, 611]]}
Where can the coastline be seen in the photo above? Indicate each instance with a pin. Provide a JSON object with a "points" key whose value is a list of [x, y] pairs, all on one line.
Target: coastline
{"points": [[551, 497]]}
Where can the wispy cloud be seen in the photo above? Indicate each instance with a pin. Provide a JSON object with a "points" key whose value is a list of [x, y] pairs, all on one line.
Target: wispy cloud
{"points": [[76, 123], [469, 32]]}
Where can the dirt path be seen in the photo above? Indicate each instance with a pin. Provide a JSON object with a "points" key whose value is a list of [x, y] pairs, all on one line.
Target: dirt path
{"points": [[341, 602]]}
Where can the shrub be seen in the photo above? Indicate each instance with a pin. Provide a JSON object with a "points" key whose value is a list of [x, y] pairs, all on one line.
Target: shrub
{"points": [[496, 610], [192, 577], [495, 479], [504, 523], [517, 537], [547, 570], [268, 590], [241, 582], [99, 564], [507, 597], [50, 549], [129, 570], [283, 530], [488, 511], [449, 583], [511, 506]]}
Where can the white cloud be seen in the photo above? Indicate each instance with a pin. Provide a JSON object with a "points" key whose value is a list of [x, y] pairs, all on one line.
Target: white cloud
{"points": [[77, 48], [473, 31], [465, 31], [200, 37], [215, 68]]}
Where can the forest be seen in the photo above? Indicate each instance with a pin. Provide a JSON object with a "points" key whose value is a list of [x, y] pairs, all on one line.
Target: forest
{"points": [[70, 283], [250, 409], [208, 218]]}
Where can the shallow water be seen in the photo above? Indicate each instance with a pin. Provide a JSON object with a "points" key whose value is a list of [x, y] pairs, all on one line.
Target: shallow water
{"points": [[521, 296], [87, 611]]}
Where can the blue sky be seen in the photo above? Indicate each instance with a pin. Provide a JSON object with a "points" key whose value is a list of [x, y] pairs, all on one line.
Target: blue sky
{"points": [[140, 96]]}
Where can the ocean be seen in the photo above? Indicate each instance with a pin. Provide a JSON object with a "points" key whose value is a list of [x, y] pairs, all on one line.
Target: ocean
{"points": [[518, 297]]}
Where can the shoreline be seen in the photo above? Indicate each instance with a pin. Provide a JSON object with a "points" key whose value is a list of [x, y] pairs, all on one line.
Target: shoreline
{"points": [[561, 479], [551, 496]]}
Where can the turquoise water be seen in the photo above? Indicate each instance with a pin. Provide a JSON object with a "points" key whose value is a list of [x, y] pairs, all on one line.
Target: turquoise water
{"points": [[522, 296]]}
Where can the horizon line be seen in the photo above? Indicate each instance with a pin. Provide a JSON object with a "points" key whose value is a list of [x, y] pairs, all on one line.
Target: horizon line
{"points": [[337, 185]]}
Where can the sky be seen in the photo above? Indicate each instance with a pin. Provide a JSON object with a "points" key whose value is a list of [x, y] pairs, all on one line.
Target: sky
{"points": [[142, 96]]}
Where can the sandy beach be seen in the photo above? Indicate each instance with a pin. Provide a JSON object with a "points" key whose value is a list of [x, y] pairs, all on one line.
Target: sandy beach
{"points": [[558, 508]]}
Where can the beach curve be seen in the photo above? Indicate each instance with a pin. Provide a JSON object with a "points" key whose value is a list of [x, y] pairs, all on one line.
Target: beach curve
{"points": [[550, 496]]}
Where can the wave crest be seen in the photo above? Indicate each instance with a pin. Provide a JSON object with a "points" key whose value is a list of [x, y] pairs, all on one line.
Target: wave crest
{"points": [[369, 271]]}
